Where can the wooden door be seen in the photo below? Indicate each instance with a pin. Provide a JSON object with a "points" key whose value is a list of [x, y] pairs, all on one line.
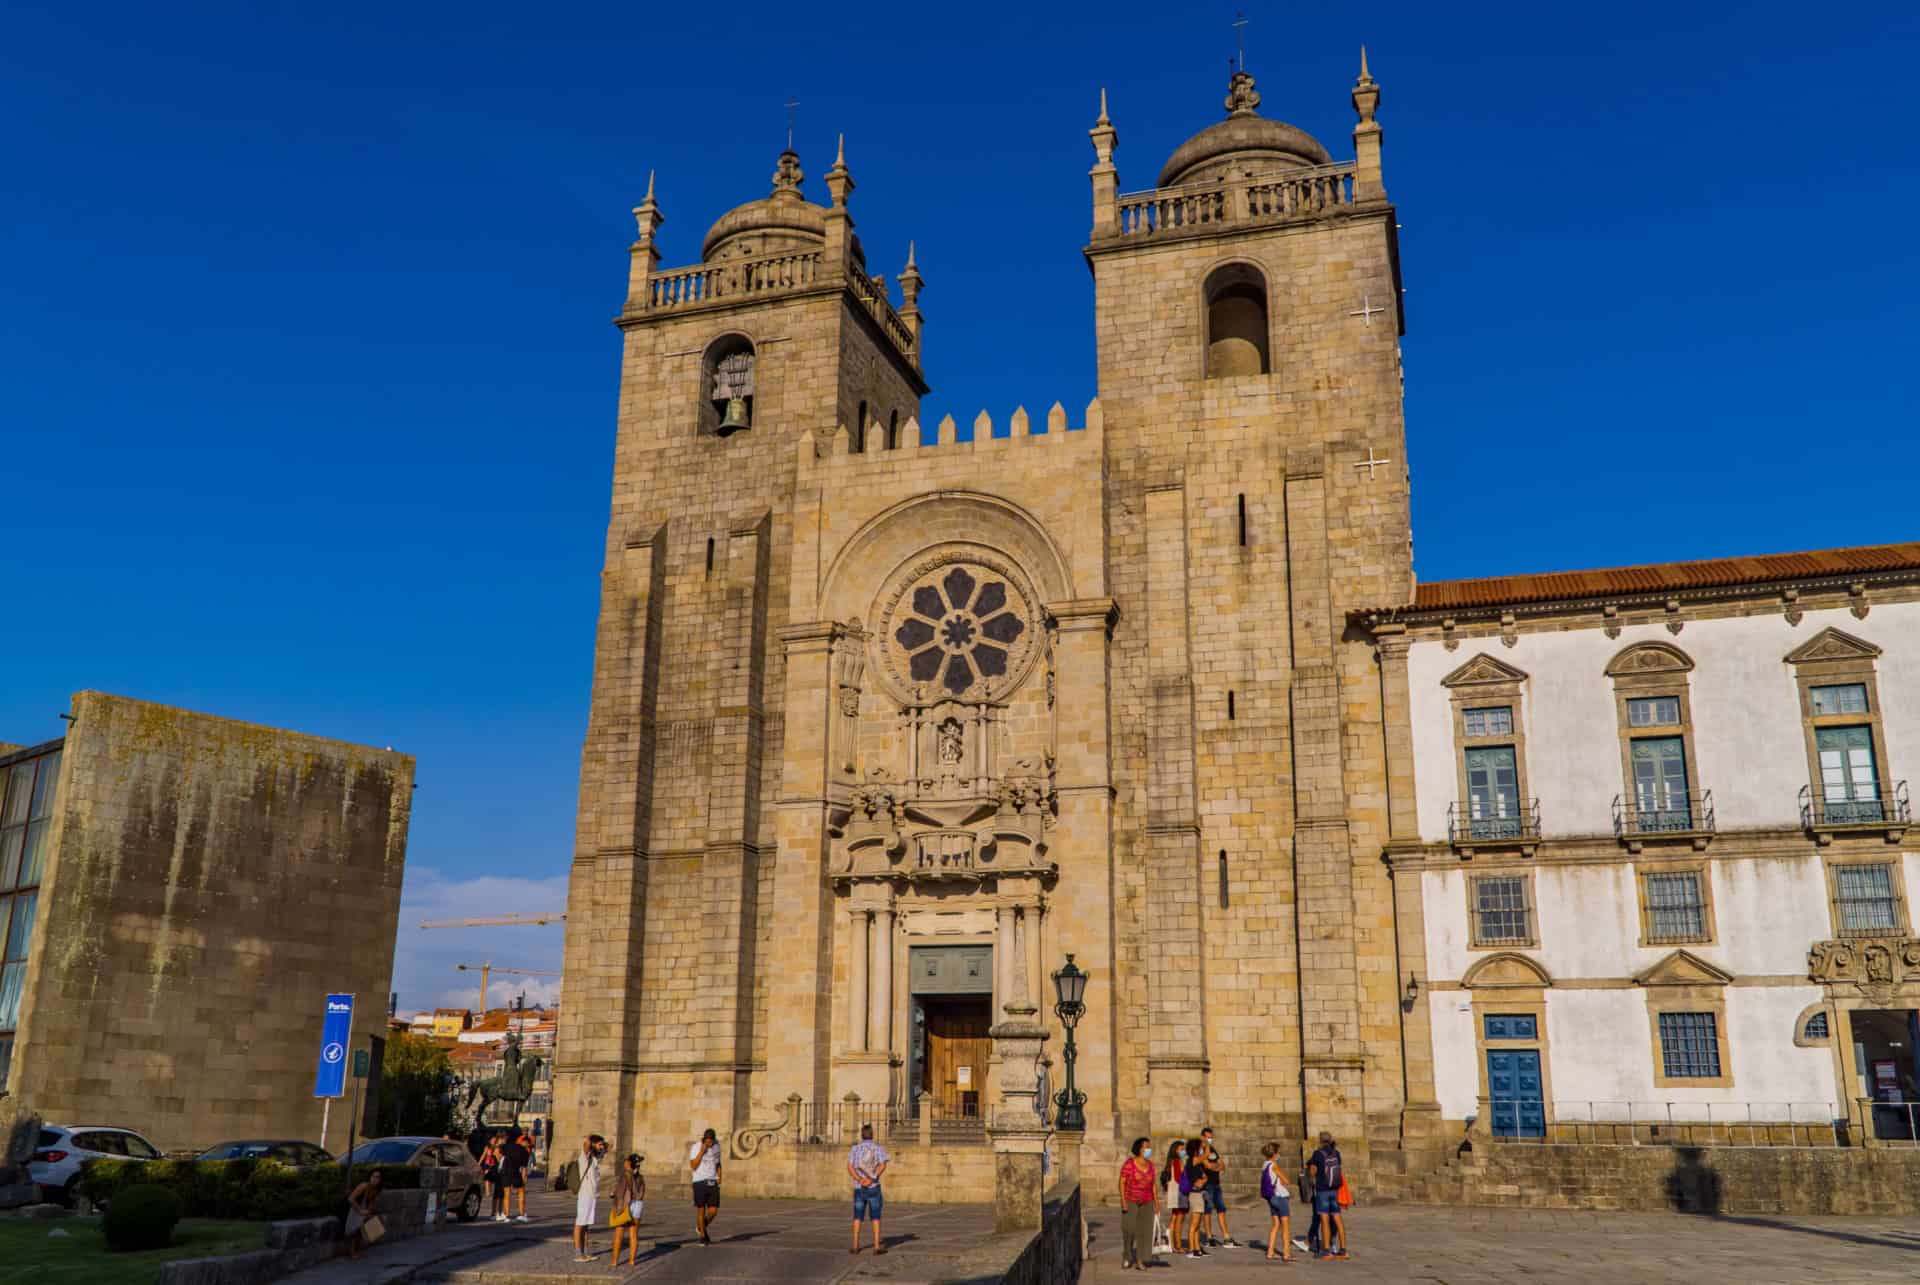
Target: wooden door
{"points": [[957, 1050]]}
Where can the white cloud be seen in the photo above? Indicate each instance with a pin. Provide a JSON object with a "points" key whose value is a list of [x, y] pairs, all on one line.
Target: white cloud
{"points": [[424, 959]]}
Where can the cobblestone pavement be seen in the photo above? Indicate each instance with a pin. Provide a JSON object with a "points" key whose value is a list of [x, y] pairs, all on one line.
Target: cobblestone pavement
{"points": [[1416, 1243], [754, 1240]]}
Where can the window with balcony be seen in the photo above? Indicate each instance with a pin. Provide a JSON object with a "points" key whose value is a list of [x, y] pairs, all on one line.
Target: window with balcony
{"points": [[1501, 909], [1493, 805], [1849, 784], [1651, 693]]}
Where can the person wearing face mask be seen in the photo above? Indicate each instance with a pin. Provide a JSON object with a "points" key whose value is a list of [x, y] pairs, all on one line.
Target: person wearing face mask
{"points": [[1136, 1205]]}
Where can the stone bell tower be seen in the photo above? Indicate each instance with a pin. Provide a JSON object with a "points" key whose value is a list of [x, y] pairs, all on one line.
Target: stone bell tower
{"points": [[1247, 320], [778, 335]]}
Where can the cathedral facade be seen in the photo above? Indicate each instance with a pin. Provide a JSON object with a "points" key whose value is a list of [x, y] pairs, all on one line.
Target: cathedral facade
{"points": [[886, 725]]}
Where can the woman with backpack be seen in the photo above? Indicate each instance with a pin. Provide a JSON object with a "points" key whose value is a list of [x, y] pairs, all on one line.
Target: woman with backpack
{"points": [[1273, 1188], [1193, 1181]]}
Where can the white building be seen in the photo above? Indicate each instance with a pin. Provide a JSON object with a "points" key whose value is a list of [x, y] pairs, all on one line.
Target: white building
{"points": [[1655, 861]]}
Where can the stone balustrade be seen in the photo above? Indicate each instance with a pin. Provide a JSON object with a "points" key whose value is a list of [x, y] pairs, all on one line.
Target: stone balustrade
{"points": [[1281, 197], [729, 280]]}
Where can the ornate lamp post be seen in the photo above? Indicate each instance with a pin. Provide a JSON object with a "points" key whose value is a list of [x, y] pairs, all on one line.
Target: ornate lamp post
{"points": [[1070, 984]]}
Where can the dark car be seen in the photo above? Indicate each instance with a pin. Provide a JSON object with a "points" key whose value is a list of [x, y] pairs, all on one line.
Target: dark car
{"points": [[464, 1187], [288, 1151]]}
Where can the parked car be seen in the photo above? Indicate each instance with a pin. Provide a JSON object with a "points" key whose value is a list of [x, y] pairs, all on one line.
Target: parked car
{"points": [[464, 1187], [288, 1151], [61, 1150]]}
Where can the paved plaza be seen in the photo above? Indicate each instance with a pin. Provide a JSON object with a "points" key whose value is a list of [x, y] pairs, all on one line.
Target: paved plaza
{"points": [[805, 1241], [1454, 1246]]}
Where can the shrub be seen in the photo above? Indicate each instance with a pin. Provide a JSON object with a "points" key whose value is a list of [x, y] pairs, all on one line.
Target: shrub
{"points": [[253, 1189], [142, 1217]]}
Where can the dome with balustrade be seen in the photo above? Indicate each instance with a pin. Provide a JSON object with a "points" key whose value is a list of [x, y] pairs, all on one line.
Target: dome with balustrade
{"points": [[1245, 143], [777, 224]]}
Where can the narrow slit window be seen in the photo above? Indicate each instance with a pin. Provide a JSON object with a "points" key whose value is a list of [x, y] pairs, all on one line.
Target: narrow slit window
{"points": [[1230, 714], [860, 429], [1243, 521], [1223, 878], [709, 555]]}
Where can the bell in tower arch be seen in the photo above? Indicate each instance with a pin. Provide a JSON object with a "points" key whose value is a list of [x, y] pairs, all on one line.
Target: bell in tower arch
{"points": [[733, 391]]}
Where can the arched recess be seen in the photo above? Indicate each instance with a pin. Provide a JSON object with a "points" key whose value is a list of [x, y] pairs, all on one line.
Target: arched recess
{"points": [[1238, 327], [906, 532], [729, 369]]}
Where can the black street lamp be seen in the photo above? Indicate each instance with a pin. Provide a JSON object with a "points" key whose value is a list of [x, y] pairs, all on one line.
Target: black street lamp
{"points": [[1070, 984]]}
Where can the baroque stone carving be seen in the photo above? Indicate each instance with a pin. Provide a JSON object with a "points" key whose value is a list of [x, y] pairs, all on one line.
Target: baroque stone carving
{"points": [[1880, 967]]}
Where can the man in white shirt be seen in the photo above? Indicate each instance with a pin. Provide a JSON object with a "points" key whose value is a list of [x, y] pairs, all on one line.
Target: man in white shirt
{"points": [[591, 1149], [704, 1161]]}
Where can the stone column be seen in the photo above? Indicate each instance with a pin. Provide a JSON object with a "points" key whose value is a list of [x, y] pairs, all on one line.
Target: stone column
{"points": [[1036, 971], [1003, 948], [880, 983], [857, 980]]}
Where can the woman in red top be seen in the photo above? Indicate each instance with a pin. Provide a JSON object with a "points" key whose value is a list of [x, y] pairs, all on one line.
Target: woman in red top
{"points": [[1136, 1204]]}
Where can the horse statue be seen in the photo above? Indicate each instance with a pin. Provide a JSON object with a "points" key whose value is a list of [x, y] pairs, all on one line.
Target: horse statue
{"points": [[515, 1085]]}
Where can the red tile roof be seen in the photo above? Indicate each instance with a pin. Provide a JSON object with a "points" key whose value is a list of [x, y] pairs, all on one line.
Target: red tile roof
{"points": [[1663, 577]]}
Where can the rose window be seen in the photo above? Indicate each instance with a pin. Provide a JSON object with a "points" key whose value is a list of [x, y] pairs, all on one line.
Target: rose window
{"points": [[958, 628]]}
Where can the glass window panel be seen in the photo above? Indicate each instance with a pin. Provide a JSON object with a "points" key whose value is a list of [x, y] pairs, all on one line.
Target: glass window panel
{"points": [[43, 784], [11, 843], [35, 860], [19, 792], [1867, 903], [1500, 904], [6, 1057], [1653, 711], [1816, 1027], [20, 931], [1841, 698], [1676, 910], [1491, 720], [1690, 1045], [13, 978]]}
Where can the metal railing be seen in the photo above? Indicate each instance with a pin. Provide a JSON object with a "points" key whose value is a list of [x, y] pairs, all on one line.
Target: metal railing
{"points": [[1267, 198], [1894, 1122], [1467, 822], [1691, 813], [838, 1124], [1642, 1124], [1889, 805]]}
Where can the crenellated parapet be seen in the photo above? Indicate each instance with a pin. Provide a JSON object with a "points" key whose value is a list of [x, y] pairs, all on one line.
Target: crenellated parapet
{"points": [[834, 452]]}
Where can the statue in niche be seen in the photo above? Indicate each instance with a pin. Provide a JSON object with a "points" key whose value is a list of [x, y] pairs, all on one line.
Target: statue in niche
{"points": [[948, 741]]}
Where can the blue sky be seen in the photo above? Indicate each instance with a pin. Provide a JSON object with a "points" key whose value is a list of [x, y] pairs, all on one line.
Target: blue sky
{"points": [[307, 382]]}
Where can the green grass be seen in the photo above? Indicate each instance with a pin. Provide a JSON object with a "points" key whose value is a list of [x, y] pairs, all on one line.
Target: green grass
{"points": [[28, 1253]]}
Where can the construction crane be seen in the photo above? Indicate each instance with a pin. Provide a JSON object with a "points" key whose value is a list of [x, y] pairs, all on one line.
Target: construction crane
{"points": [[487, 969], [496, 921]]}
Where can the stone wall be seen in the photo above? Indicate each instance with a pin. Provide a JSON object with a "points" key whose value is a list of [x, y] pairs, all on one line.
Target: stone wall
{"points": [[1054, 1255], [208, 883], [1699, 1180]]}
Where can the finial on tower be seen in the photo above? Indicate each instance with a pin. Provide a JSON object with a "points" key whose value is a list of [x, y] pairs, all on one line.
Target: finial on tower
{"points": [[1103, 108], [787, 175], [649, 195], [910, 264], [1363, 64], [647, 215], [1368, 184], [839, 180]]}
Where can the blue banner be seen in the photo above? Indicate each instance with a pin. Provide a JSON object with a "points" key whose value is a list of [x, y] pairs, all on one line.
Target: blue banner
{"points": [[330, 1077]]}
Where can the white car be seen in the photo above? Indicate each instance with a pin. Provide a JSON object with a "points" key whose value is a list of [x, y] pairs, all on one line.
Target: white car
{"points": [[59, 1152]]}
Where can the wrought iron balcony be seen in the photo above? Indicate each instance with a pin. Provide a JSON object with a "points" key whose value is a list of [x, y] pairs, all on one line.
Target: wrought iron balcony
{"points": [[1886, 807], [1516, 822], [1676, 816]]}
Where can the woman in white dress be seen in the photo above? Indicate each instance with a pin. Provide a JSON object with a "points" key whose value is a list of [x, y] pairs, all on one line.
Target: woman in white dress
{"points": [[591, 1150]]}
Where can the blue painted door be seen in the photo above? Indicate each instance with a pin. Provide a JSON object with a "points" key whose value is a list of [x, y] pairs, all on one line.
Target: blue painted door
{"points": [[1513, 1090]]}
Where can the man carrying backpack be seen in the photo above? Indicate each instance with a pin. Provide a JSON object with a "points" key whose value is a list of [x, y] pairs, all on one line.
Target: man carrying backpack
{"points": [[1329, 1176]]}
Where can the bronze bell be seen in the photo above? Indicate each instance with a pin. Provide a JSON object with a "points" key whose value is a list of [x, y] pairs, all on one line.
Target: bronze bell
{"points": [[736, 417]]}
